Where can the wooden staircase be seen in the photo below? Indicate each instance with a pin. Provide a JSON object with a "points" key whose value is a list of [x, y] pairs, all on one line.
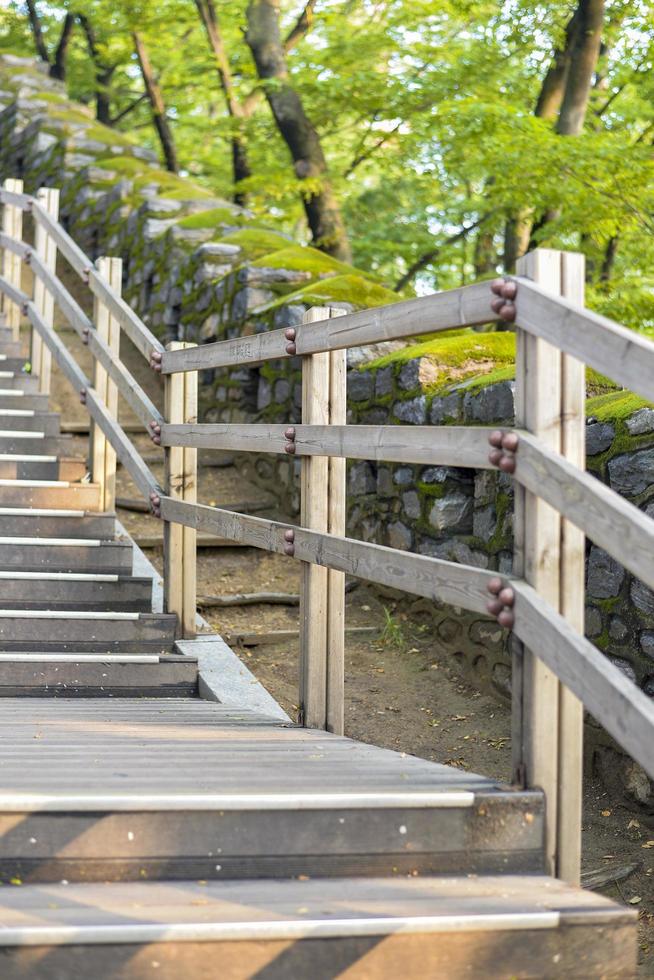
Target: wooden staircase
{"points": [[148, 833]]}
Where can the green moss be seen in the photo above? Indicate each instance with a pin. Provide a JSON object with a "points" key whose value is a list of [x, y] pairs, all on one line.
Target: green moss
{"points": [[616, 406], [54, 97], [305, 259], [456, 351], [433, 490], [126, 166], [255, 242], [212, 218], [67, 115]]}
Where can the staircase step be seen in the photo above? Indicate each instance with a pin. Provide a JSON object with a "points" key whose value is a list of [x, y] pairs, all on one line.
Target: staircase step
{"points": [[75, 591], [26, 420], [13, 363], [370, 929], [46, 494], [11, 348], [34, 443], [18, 380], [92, 555], [49, 523], [122, 789], [12, 398], [16, 466], [57, 675], [50, 631]]}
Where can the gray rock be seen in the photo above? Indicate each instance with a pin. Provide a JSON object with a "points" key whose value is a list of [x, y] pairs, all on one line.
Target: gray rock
{"points": [[484, 522], [632, 473], [618, 629], [641, 422], [411, 504], [403, 476], [486, 632], [361, 479], [257, 274], [647, 643], [282, 390], [360, 385], [383, 381], [624, 666], [289, 316], [505, 563], [599, 436], [374, 416], [264, 394], [642, 597], [593, 621], [385, 487], [605, 575], [444, 408], [413, 411], [248, 299], [410, 375], [399, 536], [154, 227], [490, 404], [435, 474], [452, 513]]}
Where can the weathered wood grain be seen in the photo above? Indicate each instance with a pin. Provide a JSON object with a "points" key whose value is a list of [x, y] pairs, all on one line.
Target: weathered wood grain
{"points": [[46, 249], [463, 307], [12, 225], [622, 354], [103, 456]]}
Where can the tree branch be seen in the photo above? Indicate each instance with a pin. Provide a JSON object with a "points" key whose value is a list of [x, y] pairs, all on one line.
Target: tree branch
{"points": [[35, 23], [301, 27], [58, 66], [130, 108], [428, 257]]}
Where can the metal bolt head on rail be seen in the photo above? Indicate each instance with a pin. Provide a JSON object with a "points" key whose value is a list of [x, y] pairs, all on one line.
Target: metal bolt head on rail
{"points": [[504, 446], [155, 361], [501, 606], [505, 292], [154, 431], [290, 336]]}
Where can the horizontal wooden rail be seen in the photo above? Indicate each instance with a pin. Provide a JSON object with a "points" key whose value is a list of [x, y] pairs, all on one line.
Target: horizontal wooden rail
{"points": [[615, 701], [467, 306], [125, 451], [605, 517], [457, 585], [22, 201], [428, 444], [622, 708], [622, 354], [602, 514], [136, 330], [129, 388]]}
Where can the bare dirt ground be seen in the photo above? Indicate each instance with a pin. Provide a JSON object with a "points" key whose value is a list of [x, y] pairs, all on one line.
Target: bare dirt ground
{"points": [[401, 692]]}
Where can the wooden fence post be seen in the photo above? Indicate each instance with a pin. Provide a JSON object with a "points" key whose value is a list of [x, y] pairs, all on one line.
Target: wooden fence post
{"points": [[181, 484], [103, 457], [322, 591], [46, 248], [547, 718], [12, 224]]}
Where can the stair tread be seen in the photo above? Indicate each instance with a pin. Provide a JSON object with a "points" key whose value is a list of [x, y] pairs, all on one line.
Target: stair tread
{"points": [[141, 912], [232, 755]]}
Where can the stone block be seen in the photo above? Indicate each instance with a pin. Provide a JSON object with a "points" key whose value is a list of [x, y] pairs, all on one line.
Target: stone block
{"points": [[647, 643], [632, 473], [593, 621], [452, 513], [282, 391], [361, 479], [385, 487], [403, 476], [399, 536], [445, 408], [492, 403], [641, 422], [484, 522], [264, 394], [360, 385], [383, 382], [605, 575], [642, 598], [413, 411], [411, 504], [599, 436]]}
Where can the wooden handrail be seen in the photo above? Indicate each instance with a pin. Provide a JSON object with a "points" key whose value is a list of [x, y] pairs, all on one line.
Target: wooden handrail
{"points": [[621, 354], [467, 306], [129, 388], [142, 338], [625, 711], [125, 451]]}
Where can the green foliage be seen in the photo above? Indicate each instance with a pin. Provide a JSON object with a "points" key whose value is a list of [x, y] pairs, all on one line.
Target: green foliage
{"points": [[425, 110], [392, 634]]}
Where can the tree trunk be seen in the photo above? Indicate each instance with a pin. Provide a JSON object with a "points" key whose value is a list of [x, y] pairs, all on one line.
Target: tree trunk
{"points": [[35, 24], [322, 210], [58, 66], [103, 74], [157, 104], [583, 62], [485, 256], [562, 93], [609, 259], [240, 164]]}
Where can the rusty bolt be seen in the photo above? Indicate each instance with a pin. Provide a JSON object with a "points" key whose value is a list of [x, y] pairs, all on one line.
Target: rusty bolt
{"points": [[290, 333], [497, 286], [290, 441], [289, 542], [291, 349], [155, 503], [495, 586], [501, 606], [509, 290], [86, 334], [507, 312], [155, 361], [86, 272], [155, 432], [82, 396]]}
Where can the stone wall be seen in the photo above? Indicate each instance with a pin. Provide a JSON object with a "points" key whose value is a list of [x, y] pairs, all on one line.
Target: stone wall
{"points": [[201, 269]]}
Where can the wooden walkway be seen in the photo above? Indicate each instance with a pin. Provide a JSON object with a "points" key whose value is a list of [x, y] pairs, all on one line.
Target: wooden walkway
{"points": [[148, 833]]}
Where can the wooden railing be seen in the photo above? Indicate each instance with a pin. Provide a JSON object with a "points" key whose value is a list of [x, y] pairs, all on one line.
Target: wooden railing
{"points": [[556, 671]]}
